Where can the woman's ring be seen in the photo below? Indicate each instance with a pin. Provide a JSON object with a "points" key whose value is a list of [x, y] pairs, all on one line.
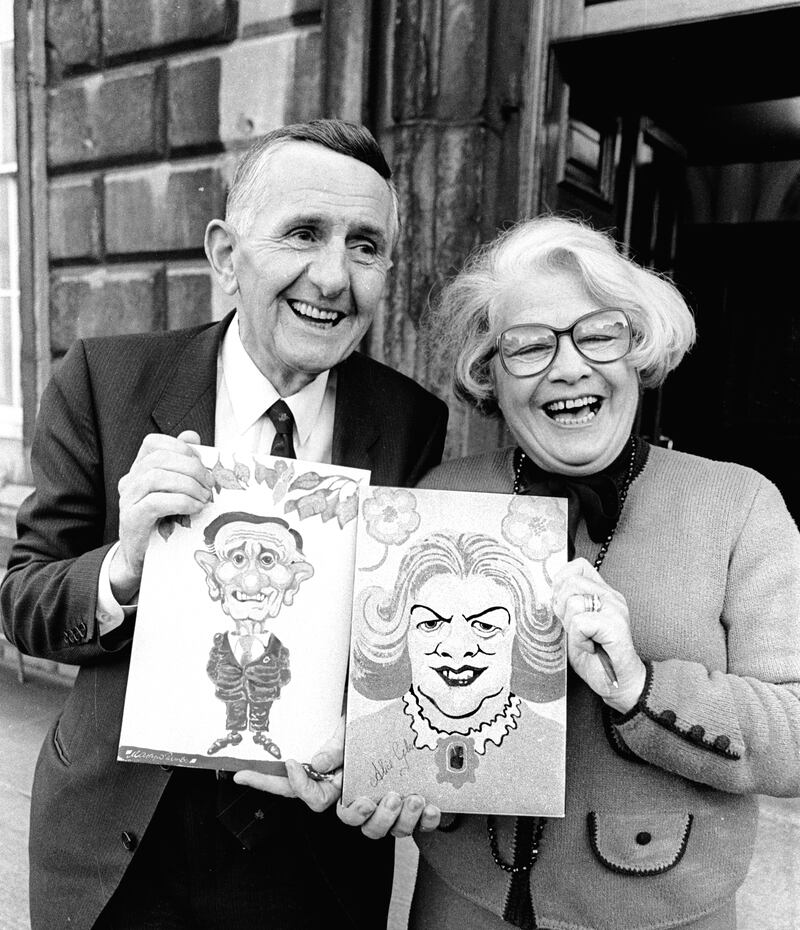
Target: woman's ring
{"points": [[591, 603]]}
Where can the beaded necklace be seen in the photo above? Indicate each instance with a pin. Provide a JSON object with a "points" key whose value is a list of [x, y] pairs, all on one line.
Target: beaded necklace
{"points": [[509, 867]]}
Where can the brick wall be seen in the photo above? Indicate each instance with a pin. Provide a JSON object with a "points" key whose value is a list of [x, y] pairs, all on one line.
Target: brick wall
{"points": [[149, 104]]}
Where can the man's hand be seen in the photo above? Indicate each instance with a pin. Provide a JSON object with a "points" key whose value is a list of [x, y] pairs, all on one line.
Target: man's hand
{"points": [[167, 478], [317, 793]]}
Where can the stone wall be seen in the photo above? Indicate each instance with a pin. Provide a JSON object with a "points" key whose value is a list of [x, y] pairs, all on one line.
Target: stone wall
{"points": [[149, 104]]}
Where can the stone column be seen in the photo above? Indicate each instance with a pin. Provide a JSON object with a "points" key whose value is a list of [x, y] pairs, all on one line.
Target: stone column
{"points": [[446, 106]]}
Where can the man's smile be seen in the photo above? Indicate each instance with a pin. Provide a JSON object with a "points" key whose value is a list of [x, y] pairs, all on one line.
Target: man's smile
{"points": [[241, 596], [459, 677], [310, 313]]}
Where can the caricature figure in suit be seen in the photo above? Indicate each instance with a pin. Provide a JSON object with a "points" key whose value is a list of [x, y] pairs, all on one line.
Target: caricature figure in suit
{"points": [[254, 565], [305, 248]]}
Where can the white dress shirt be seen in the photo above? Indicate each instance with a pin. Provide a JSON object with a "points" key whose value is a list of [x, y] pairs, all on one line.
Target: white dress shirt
{"points": [[240, 424]]}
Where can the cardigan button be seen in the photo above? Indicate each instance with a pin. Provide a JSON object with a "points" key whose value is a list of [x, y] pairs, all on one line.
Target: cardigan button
{"points": [[669, 717], [643, 838], [129, 840], [722, 743]]}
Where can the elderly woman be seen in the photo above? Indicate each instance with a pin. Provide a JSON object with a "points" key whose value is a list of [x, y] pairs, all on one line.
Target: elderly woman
{"points": [[685, 571], [456, 651]]}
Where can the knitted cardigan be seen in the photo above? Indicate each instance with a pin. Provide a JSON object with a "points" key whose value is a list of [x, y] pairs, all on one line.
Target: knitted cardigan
{"points": [[660, 814]]}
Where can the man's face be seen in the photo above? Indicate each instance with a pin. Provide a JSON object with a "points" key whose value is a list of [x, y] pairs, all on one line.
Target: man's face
{"points": [[311, 268], [255, 570], [459, 643]]}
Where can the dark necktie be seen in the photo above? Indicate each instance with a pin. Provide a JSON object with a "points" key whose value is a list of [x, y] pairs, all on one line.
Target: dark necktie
{"points": [[283, 421]]}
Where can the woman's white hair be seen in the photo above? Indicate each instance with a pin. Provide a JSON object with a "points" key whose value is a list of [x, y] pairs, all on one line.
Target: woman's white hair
{"points": [[463, 323]]}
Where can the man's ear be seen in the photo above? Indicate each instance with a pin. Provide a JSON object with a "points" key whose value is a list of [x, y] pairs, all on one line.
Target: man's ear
{"points": [[220, 241], [208, 562], [300, 571]]}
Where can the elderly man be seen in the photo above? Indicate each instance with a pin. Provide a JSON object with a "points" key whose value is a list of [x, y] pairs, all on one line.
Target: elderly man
{"points": [[305, 248]]}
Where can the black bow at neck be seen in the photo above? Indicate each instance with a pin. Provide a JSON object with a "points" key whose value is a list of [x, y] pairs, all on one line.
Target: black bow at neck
{"points": [[596, 497]]}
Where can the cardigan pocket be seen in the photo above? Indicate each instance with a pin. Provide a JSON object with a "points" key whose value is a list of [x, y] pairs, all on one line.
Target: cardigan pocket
{"points": [[642, 843]]}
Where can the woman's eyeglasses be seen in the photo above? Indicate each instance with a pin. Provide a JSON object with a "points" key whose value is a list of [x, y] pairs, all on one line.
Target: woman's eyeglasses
{"points": [[600, 336]]}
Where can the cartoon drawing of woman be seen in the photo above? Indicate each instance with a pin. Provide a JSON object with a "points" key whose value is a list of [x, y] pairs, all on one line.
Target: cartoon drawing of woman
{"points": [[457, 650]]}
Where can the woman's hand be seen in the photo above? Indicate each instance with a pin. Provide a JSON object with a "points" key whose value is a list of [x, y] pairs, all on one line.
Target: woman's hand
{"points": [[609, 627], [395, 815]]}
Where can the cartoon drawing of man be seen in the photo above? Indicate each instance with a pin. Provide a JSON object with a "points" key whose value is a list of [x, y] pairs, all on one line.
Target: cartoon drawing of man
{"points": [[254, 565]]}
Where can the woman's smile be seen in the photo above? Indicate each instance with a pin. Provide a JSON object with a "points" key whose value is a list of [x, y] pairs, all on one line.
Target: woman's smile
{"points": [[573, 411], [459, 677]]}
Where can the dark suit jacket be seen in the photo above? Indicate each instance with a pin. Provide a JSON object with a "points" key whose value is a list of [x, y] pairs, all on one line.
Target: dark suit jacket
{"points": [[259, 681], [104, 397]]}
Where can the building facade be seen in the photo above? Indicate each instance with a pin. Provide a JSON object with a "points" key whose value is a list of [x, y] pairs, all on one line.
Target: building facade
{"points": [[674, 124]]}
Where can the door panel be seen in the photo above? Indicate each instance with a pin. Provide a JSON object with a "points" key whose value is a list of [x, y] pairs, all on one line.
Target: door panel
{"points": [[736, 397]]}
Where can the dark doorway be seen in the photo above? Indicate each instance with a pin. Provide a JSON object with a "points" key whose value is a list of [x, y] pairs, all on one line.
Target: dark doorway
{"points": [[736, 396], [686, 142]]}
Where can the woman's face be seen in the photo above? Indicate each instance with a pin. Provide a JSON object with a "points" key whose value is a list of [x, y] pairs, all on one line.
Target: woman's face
{"points": [[559, 434], [459, 642]]}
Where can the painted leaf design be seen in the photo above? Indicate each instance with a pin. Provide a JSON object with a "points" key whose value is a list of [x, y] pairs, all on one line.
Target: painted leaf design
{"points": [[166, 525], [311, 504], [265, 475], [347, 509], [224, 477], [331, 506], [285, 476], [242, 474], [305, 482]]}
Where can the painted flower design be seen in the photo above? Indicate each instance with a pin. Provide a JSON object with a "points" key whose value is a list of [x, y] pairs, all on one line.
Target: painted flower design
{"points": [[535, 526], [391, 515]]}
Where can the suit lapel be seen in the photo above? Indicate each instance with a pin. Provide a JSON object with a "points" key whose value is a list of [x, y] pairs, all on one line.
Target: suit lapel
{"points": [[355, 430], [189, 399]]}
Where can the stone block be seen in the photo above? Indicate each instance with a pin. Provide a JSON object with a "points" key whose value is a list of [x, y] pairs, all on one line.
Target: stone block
{"points": [[161, 208], [193, 102], [131, 26], [257, 17], [70, 129], [73, 35], [269, 81], [101, 118], [130, 114], [134, 302], [74, 217], [101, 302], [189, 295]]}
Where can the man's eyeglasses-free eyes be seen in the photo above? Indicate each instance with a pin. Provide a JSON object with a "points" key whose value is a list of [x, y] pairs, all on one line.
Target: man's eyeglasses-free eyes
{"points": [[600, 336]]}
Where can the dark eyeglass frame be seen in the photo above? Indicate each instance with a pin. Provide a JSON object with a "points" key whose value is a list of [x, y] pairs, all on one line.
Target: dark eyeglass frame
{"points": [[558, 333]]}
